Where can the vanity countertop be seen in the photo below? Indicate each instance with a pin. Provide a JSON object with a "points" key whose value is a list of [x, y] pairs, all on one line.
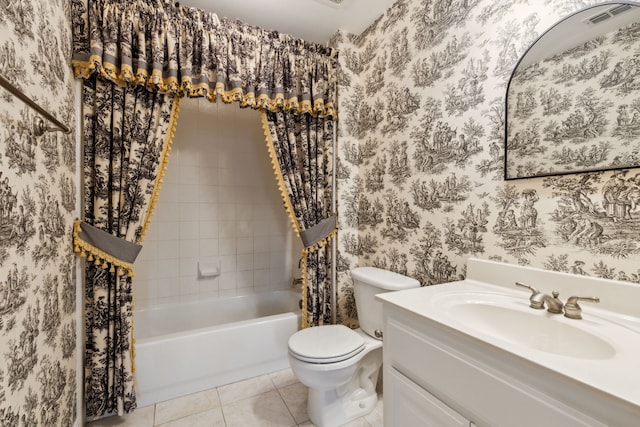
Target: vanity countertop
{"points": [[600, 351]]}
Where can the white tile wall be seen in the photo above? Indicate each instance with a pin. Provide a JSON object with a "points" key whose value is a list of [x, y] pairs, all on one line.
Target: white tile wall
{"points": [[219, 203]]}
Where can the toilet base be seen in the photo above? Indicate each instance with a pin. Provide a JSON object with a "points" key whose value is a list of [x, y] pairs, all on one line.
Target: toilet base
{"points": [[353, 399], [326, 409]]}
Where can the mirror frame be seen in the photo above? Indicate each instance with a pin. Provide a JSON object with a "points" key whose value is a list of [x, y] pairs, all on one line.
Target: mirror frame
{"points": [[506, 101]]}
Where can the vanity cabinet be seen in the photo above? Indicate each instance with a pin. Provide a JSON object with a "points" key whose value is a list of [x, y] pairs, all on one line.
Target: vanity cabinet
{"points": [[408, 404], [474, 353], [438, 377]]}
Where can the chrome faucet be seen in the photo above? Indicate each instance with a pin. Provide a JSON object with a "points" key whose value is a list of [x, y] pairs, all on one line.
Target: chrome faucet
{"points": [[538, 300]]}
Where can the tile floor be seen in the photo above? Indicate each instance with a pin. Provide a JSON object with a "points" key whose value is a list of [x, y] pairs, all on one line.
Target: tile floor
{"points": [[273, 400]]}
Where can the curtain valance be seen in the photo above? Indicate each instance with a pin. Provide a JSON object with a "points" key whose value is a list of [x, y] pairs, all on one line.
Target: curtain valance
{"points": [[190, 52]]}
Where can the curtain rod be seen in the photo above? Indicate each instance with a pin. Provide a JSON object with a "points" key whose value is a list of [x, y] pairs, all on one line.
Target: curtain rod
{"points": [[39, 126]]}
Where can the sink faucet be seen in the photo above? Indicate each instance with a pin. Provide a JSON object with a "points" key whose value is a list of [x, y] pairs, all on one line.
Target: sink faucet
{"points": [[572, 309], [554, 305], [538, 300]]}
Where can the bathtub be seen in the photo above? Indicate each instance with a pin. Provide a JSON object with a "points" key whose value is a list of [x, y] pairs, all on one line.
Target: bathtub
{"points": [[183, 348]]}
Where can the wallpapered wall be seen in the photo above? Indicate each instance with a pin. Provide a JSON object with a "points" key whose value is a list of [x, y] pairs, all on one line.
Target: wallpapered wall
{"points": [[578, 110], [420, 168], [37, 206]]}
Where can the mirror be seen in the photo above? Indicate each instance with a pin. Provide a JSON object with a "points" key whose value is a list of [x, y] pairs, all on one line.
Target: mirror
{"points": [[573, 99]]}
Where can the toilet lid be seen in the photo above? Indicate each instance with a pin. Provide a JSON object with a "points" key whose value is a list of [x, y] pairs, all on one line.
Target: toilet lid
{"points": [[325, 344]]}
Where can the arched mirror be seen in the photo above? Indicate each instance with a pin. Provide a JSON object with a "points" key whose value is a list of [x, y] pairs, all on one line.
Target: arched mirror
{"points": [[573, 100]]}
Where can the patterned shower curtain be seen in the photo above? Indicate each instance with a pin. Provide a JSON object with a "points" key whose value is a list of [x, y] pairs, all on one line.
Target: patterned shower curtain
{"points": [[300, 146], [127, 135], [144, 52]]}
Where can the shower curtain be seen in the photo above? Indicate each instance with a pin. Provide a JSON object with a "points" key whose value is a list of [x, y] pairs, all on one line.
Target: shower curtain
{"points": [[127, 134], [170, 51], [300, 146]]}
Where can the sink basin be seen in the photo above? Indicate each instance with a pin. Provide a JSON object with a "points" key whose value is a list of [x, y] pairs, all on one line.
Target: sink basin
{"points": [[535, 329]]}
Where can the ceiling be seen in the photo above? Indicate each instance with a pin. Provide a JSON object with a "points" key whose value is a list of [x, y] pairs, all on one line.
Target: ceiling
{"points": [[311, 20]]}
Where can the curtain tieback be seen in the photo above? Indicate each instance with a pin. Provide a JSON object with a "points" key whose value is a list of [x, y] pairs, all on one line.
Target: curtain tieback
{"points": [[320, 234], [104, 249]]}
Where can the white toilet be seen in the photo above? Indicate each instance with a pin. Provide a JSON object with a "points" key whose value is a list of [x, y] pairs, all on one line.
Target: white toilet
{"points": [[340, 365]]}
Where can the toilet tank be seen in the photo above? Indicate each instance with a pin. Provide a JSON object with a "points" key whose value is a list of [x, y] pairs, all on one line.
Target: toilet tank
{"points": [[369, 281]]}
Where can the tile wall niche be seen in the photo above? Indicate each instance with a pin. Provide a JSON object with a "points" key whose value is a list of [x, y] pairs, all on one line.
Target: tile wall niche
{"points": [[219, 203]]}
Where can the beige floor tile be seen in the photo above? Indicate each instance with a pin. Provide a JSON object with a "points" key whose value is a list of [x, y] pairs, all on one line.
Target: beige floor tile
{"points": [[243, 389], [265, 410], [283, 378], [375, 418], [358, 422], [141, 417], [295, 397], [188, 405], [210, 418]]}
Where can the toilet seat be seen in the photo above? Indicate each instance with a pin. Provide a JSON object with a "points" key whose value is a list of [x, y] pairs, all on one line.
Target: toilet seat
{"points": [[325, 344]]}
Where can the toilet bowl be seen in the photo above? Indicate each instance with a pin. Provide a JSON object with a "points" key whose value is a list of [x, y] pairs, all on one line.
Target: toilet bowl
{"points": [[339, 365]]}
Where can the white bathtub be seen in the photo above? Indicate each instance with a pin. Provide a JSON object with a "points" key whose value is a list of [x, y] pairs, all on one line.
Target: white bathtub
{"points": [[184, 348]]}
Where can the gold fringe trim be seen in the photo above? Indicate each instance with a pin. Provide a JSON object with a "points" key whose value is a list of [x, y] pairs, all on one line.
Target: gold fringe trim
{"points": [[164, 160], [292, 216], [98, 256], [156, 82], [106, 261], [321, 243], [305, 279], [284, 193], [83, 69]]}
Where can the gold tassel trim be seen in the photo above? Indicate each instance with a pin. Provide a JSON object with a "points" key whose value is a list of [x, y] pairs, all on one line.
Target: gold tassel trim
{"points": [[164, 160], [156, 82], [97, 256], [292, 216], [284, 193], [321, 243]]}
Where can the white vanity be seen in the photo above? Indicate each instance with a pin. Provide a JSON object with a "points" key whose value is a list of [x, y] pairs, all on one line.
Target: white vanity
{"points": [[473, 352]]}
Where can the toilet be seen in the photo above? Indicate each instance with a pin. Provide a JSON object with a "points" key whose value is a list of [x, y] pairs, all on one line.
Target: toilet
{"points": [[340, 365]]}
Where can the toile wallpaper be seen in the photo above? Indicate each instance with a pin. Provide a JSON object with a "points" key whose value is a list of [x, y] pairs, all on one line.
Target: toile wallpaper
{"points": [[37, 206], [420, 142], [578, 110]]}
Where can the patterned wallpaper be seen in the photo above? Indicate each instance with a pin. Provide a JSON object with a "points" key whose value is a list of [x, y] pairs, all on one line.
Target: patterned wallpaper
{"points": [[37, 205], [578, 110], [420, 168]]}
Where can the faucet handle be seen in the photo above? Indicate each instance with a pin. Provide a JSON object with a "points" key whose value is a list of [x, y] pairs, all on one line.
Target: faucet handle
{"points": [[572, 309], [533, 290], [535, 300]]}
